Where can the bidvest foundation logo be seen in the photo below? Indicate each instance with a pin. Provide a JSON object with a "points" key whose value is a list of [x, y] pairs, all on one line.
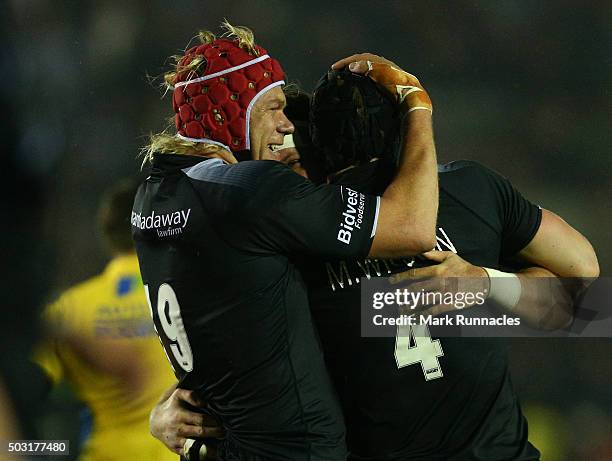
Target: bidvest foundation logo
{"points": [[352, 216]]}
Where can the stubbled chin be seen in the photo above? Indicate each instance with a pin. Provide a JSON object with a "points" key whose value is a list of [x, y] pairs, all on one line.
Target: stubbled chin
{"points": [[268, 154]]}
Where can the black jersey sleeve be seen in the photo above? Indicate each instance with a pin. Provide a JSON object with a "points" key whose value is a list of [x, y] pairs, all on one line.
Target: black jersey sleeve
{"points": [[521, 219], [293, 215], [494, 199], [274, 210]]}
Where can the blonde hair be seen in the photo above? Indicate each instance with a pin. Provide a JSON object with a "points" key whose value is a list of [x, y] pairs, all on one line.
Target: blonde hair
{"points": [[242, 34], [165, 142]]}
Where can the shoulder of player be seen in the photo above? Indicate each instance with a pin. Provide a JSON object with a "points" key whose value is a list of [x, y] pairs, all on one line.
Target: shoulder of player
{"points": [[464, 166], [474, 187], [245, 189], [468, 173], [79, 296], [248, 175]]}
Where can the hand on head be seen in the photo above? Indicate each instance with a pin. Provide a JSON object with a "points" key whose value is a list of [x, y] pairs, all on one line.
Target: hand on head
{"points": [[402, 86]]}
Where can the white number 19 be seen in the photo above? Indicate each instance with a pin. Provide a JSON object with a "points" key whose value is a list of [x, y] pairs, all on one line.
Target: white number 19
{"points": [[172, 324]]}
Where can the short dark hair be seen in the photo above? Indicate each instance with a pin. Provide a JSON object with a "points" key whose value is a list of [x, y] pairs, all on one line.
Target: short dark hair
{"points": [[114, 214], [352, 121]]}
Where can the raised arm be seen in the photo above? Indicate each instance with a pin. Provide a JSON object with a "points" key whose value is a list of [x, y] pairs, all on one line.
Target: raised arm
{"points": [[409, 205]]}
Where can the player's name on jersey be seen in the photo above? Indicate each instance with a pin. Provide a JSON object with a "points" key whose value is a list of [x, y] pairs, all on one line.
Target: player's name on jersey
{"points": [[381, 320], [343, 274]]}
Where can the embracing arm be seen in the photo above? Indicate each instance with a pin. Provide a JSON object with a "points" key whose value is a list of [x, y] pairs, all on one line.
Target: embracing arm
{"points": [[561, 249], [409, 205], [543, 295], [172, 422], [567, 260]]}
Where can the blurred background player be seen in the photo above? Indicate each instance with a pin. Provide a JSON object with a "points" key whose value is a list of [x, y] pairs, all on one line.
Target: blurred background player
{"points": [[467, 410], [101, 341]]}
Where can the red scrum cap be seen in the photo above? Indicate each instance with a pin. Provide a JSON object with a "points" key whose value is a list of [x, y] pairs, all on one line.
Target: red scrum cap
{"points": [[213, 102]]}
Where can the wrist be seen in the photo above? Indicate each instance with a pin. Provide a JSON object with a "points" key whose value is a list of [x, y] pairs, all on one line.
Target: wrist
{"points": [[410, 112], [505, 288], [419, 122]]}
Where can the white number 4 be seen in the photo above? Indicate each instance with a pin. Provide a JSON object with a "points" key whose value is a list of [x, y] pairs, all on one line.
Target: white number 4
{"points": [[172, 324], [424, 350]]}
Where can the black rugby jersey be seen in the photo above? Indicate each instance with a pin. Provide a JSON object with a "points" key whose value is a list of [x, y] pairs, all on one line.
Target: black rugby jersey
{"points": [[462, 406], [215, 244]]}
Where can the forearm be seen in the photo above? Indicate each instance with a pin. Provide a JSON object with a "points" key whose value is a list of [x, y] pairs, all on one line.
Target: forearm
{"points": [[409, 205], [414, 191], [536, 295], [546, 301], [549, 301], [567, 260]]}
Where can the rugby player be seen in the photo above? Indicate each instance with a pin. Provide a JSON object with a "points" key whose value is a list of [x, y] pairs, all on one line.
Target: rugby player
{"points": [[455, 401], [217, 239], [102, 343], [412, 401]]}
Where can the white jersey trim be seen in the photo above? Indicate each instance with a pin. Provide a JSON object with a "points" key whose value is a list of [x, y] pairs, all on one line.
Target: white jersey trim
{"points": [[376, 217]]}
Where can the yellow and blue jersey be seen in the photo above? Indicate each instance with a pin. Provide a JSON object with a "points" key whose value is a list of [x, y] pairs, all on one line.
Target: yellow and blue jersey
{"points": [[109, 313]]}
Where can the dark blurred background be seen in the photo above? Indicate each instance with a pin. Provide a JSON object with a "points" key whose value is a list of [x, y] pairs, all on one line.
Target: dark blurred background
{"points": [[523, 87]]}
